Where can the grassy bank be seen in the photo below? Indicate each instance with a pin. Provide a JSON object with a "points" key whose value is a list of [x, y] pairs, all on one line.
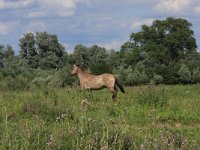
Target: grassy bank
{"points": [[146, 117]]}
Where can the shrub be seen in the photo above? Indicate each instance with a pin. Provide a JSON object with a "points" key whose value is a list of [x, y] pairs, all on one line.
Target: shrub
{"points": [[170, 74], [139, 77], [133, 77], [185, 75], [196, 75], [14, 83], [38, 82], [64, 76], [157, 79], [55, 81]]}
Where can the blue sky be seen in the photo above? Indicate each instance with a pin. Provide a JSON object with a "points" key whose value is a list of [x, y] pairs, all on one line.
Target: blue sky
{"points": [[107, 23]]}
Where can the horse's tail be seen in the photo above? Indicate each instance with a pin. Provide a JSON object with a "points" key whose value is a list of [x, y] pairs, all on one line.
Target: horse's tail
{"points": [[119, 85]]}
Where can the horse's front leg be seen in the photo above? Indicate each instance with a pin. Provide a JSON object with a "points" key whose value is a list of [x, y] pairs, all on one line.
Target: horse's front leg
{"points": [[90, 93]]}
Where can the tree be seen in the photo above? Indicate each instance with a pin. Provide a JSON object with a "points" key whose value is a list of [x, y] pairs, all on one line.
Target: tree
{"points": [[170, 39], [28, 49], [50, 51], [27, 45], [95, 58], [9, 52], [99, 60], [130, 54], [6, 52], [2, 49], [114, 58], [42, 50], [80, 55], [161, 47]]}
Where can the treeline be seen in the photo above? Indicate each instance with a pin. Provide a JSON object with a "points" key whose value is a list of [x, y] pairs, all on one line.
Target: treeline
{"points": [[165, 52]]}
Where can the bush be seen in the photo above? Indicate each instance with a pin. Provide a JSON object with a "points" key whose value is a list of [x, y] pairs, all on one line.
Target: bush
{"points": [[55, 81], [14, 83], [64, 76], [1, 75], [157, 79], [38, 82], [196, 75], [139, 77], [185, 75], [170, 74], [130, 77]]}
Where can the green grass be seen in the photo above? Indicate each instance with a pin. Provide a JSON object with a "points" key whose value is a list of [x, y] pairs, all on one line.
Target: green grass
{"points": [[146, 117]]}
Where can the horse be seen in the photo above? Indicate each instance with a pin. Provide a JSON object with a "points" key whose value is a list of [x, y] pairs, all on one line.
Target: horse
{"points": [[96, 82]]}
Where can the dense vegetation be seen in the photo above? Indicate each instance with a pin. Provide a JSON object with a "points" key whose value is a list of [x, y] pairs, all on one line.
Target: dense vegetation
{"points": [[146, 117], [165, 52], [38, 110]]}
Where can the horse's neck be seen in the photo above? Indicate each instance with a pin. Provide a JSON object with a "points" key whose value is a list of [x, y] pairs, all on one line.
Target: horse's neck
{"points": [[82, 75]]}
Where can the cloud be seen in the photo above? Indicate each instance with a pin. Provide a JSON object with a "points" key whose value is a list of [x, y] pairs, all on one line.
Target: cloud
{"points": [[43, 8], [36, 14], [34, 26], [197, 10], [101, 22], [88, 2], [12, 4], [7, 27], [171, 6], [3, 29], [138, 23], [62, 8], [115, 44], [53, 7]]}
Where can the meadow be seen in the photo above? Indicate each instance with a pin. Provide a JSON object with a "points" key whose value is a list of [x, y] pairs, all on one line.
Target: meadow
{"points": [[146, 117]]}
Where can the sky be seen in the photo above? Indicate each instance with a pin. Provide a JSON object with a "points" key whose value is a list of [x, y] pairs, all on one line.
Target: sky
{"points": [[107, 23]]}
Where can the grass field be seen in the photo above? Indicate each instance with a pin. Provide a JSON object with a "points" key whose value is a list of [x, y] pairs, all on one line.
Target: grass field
{"points": [[146, 117]]}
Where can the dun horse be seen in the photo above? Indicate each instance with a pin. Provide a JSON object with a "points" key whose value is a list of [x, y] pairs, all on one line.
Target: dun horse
{"points": [[96, 82]]}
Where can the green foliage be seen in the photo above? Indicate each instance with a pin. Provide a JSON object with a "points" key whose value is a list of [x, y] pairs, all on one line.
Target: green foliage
{"points": [[157, 79], [161, 47], [39, 113], [95, 58], [132, 77], [6, 51], [42, 50], [196, 75], [156, 53], [38, 82], [63, 119], [153, 96], [170, 74], [174, 34], [185, 74]]}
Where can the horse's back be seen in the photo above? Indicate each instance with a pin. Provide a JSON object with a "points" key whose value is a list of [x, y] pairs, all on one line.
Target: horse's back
{"points": [[109, 79]]}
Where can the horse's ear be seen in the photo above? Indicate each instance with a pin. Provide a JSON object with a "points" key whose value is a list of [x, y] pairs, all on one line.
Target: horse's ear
{"points": [[76, 65]]}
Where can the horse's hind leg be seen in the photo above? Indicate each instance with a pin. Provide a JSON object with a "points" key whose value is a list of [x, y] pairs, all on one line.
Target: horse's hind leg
{"points": [[114, 93], [115, 88], [114, 96]]}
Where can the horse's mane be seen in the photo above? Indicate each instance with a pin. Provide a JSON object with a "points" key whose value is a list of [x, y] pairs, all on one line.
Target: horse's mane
{"points": [[83, 68]]}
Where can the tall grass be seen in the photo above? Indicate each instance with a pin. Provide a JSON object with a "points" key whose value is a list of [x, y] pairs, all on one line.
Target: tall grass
{"points": [[146, 117]]}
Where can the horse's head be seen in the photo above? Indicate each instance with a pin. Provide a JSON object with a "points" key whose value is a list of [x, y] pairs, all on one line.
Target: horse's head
{"points": [[75, 70]]}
